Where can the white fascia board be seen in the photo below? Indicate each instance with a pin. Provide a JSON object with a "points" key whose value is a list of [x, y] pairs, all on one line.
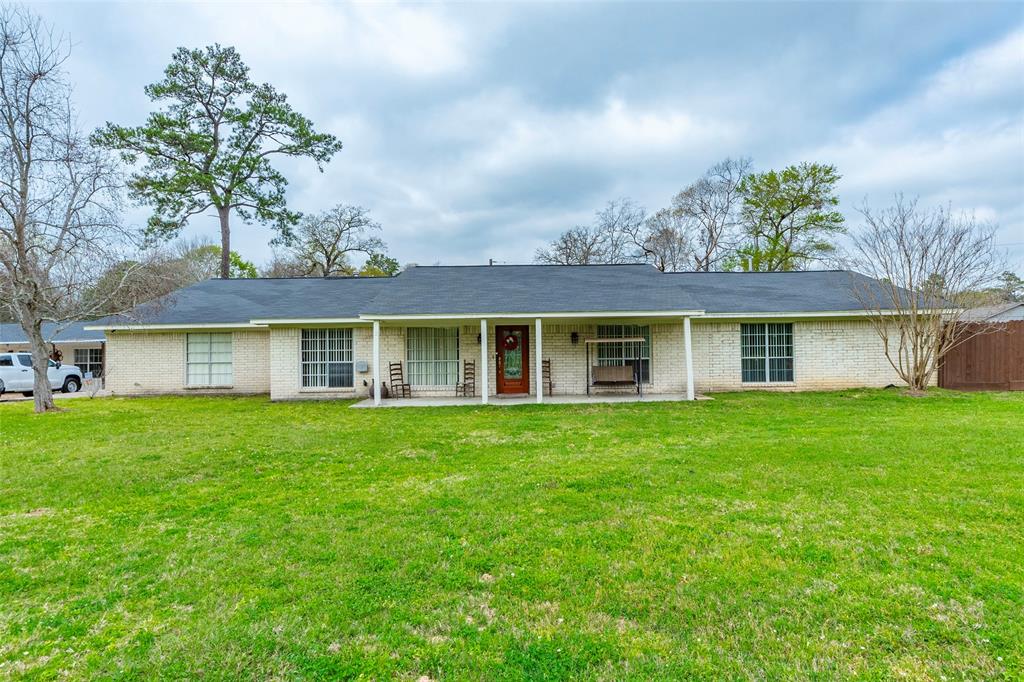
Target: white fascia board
{"points": [[529, 316], [171, 327], [291, 321], [51, 341], [808, 313]]}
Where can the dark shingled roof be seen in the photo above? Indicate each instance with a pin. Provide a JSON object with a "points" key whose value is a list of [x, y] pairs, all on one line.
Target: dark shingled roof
{"points": [[775, 292], [494, 289], [234, 301], [73, 331]]}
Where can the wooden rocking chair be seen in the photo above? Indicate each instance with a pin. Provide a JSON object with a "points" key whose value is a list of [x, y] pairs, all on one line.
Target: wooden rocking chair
{"points": [[546, 375], [468, 386], [399, 389]]}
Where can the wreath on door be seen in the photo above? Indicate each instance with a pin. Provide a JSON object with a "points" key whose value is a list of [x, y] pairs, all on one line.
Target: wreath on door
{"points": [[510, 342]]}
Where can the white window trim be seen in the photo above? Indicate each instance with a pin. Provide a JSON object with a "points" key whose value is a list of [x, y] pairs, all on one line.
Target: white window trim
{"points": [[326, 389], [767, 370], [230, 384]]}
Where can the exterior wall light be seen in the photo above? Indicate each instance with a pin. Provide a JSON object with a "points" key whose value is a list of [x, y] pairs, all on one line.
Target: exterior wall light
{"points": [[574, 337]]}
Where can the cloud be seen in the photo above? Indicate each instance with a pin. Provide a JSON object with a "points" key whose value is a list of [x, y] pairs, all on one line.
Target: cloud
{"points": [[957, 138], [474, 130]]}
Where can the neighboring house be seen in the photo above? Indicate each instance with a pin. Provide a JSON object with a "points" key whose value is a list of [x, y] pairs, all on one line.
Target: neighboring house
{"points": [[683, 333], [69, 342], [1001, 312]]}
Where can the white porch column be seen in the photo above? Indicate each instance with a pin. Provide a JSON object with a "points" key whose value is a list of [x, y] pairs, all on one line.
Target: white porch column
{"points": [[376, 362], [689, 359], [484, 372], [539, 381]]}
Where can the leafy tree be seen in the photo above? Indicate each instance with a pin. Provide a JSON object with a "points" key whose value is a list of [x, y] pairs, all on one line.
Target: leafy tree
{"points": [[380, 265], [127, 283], [789, 216], [211, 146], [1011, 286]]}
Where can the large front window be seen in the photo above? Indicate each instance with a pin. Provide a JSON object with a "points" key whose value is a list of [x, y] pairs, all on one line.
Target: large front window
{"points": [[327, 358], [766, 352], [432, 356], [636, 354], [209, 360], [90, 360]]}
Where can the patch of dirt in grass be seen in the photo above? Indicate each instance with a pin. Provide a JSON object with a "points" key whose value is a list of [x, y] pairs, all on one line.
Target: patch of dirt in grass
{"points": [[478, 438], [32, 513]]}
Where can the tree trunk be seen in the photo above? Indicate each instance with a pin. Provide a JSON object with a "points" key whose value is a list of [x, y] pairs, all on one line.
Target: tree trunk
{"points": [[225, 241], [41, 392]]}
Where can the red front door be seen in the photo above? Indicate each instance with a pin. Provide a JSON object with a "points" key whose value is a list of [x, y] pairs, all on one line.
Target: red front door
{"points": [[513, 359]]}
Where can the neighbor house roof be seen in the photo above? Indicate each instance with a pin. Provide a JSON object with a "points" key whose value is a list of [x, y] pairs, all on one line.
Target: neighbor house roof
{"points": [[498, 290], [11, 332], [991, 312]]}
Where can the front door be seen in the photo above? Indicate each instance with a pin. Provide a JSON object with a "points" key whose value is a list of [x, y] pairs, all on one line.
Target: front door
{"points": [[513, 359]]}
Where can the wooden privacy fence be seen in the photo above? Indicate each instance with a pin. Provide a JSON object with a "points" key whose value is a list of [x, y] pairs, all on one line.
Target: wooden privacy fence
{"points": [[990, 361]]}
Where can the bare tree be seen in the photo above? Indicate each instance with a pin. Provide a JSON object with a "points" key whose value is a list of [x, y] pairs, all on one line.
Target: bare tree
{"points": [[283, 264], [666, 244], [324, 242], [580, 245], [622, 224], [708, 213], [615, 237], [58, 226], [928, 264]]}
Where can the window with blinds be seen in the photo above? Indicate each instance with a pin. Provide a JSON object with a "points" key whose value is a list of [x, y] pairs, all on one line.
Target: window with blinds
{"points": [[209, 360], [327, 358], [766, 352], [432, 356], [636, 354]]}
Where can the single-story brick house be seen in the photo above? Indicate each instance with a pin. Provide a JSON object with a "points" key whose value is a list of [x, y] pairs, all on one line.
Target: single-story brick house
{"points": [[678, 333], [69, 342]]}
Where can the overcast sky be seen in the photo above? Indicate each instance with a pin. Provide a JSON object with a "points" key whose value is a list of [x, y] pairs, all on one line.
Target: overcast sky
{"points": [[482, 131]]}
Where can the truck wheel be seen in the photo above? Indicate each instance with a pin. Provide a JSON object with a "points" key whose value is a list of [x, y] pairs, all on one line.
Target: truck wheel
{"points": [[72, 385], [1, 386]]}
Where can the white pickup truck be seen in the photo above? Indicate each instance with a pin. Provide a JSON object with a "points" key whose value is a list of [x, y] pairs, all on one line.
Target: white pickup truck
{"points": [[16, 375]]}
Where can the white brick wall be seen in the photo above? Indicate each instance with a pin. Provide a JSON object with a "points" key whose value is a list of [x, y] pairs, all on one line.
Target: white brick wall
{"points": [[827, 354], [140, 363]]}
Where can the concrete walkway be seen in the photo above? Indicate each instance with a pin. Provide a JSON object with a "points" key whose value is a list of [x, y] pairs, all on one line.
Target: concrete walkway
{"points": [[529, 400]]}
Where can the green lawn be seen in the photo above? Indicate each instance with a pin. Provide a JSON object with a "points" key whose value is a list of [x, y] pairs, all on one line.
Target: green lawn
{"points": [[861, 533]]}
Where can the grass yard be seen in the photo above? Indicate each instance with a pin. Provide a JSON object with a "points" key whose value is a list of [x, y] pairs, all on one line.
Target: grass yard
{"points": [[860, 533]]}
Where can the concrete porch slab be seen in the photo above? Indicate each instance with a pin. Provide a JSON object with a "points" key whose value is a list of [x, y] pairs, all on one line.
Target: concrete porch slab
{"points": [[529, 400]]}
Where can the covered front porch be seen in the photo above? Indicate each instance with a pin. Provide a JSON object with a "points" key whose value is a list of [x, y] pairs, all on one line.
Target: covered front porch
{"points": [[514, 359]]}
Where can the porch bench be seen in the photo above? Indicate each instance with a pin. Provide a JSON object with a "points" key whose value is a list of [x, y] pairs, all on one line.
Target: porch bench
{"points": [[621, 375]]}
